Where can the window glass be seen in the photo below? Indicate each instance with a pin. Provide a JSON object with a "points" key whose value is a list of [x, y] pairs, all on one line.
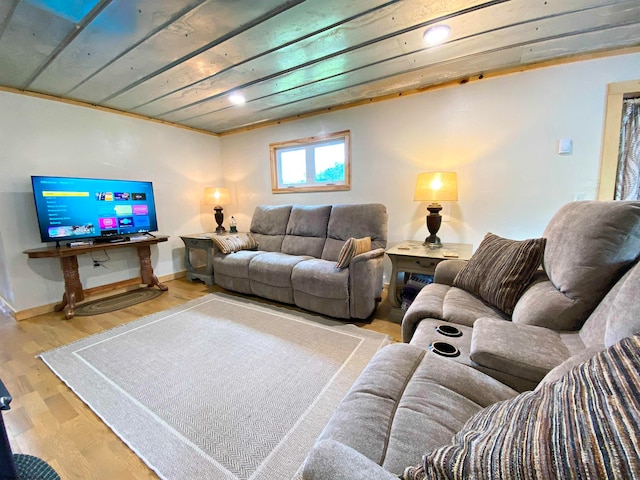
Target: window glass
{"points": [[329, 163], [293, 167]]}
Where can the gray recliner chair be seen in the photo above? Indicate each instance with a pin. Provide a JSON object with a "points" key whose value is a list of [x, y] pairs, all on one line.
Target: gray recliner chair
{"points": [[410, 404], [589, 246]]}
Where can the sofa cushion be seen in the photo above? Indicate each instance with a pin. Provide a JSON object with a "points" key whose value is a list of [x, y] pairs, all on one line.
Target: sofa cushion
{"points": [[320, 278], [270, 275], [309, 220], [589, 245], [624, 316], [269, 226], [527, 435], [358, 221], [558, 372], [351, 248], [593, 331], [320, 287], [234, 243], [299, 245], [447, 303], [500, 270], [236, 265], [543, 305], [406, 401], [306, 230], [232, 271]]}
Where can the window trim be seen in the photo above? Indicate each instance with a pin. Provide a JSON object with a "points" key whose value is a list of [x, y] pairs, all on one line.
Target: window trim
{"points": [[616, 92], [310, 141]]}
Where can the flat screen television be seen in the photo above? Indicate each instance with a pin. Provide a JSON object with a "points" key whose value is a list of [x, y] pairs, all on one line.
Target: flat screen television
{"points": [[78, 209]]}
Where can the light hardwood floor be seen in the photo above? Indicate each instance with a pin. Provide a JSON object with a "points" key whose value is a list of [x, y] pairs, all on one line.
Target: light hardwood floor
{"points": [[48, 420]]}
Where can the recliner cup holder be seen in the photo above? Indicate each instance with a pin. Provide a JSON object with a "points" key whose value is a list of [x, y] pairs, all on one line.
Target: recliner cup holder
{"points": [[448, 331], [444, 349]]}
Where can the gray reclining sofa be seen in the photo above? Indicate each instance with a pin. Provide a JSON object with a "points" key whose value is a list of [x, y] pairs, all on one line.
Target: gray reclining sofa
{"points": [[417, 412], [297, 254]]}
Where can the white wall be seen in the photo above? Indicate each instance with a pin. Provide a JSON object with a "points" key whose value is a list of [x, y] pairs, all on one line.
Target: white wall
{"points": [[44, 137], [500, 135]]}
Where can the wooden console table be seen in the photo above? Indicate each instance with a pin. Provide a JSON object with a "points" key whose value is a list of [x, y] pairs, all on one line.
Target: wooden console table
{"points": [[73, 292]]}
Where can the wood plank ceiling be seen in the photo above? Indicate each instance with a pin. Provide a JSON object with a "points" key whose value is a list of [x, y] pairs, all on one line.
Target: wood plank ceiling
{"points": [[181, 61]]}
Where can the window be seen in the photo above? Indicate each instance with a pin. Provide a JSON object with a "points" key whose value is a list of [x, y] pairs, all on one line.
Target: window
{"points": [[314, 164]]}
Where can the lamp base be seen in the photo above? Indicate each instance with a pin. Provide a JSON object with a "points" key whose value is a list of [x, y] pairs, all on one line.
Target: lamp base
{"points": [[219, 216], [434, 220], [432, 241]]}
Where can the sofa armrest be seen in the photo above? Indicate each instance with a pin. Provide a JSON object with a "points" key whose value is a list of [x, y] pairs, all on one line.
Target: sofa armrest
{"points": [[366, 256], [447, 270], [334, 460], [524, 351], [427, 304], [365, 282]]}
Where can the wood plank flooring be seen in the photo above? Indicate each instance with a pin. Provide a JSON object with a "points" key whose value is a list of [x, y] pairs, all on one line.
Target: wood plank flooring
{"points": [[48, 420]]}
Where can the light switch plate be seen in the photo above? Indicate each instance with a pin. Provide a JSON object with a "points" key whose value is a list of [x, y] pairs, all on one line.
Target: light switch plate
{"points": [[565, 146]]}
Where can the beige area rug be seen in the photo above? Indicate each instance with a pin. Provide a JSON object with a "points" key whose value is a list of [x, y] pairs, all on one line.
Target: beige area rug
{"points": [[218, 388]]}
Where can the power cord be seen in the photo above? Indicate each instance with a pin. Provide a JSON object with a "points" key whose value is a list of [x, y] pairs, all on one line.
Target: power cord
{"points": [[97, 262]]}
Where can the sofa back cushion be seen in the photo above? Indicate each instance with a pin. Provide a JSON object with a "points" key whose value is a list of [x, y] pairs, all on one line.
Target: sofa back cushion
{"points": [[269, 226], [589, 246], [526, 437], [624, 316], [357, 221], [306, 230]]}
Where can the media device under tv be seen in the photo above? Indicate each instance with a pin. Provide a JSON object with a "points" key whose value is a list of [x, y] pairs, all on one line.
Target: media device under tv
{"points": [[82, 209]]}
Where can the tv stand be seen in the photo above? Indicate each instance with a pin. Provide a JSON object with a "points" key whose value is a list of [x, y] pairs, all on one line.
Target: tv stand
{"points": [[73, 291]]}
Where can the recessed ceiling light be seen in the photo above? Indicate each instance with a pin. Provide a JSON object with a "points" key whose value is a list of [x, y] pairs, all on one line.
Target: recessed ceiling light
{"points": [[437, 34], [237, 99]]}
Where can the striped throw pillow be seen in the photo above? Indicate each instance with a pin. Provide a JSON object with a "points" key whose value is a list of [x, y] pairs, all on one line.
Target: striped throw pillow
{"points": [[234, 243], [501, 269], [584, 425], [351, 248]]}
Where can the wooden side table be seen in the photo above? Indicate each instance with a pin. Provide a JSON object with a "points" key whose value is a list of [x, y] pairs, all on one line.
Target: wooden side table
{"points": [[411, 256], [199, 241]]}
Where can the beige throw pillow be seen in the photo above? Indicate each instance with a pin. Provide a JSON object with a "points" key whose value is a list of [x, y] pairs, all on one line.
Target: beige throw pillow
{"points": [[351, 248], [234, 243]]}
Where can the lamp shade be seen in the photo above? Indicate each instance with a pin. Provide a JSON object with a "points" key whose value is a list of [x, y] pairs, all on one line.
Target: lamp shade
{"points": [[216, 196], [436, 187]]}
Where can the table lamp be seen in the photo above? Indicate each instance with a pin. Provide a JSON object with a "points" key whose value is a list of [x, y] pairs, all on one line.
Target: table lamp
{"points": [[217, 196], [435, 187]]}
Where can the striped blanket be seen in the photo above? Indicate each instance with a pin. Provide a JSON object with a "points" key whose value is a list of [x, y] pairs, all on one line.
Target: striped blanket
{"points": [[585, 425]]}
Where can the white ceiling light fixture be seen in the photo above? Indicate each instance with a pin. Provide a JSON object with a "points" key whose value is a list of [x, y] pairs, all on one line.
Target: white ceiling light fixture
{"points": [[237, 99], [437, 34]]}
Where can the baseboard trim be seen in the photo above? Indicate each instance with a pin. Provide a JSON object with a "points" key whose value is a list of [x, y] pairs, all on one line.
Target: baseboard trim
{"points": [[6, 308], [92, 293]]}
